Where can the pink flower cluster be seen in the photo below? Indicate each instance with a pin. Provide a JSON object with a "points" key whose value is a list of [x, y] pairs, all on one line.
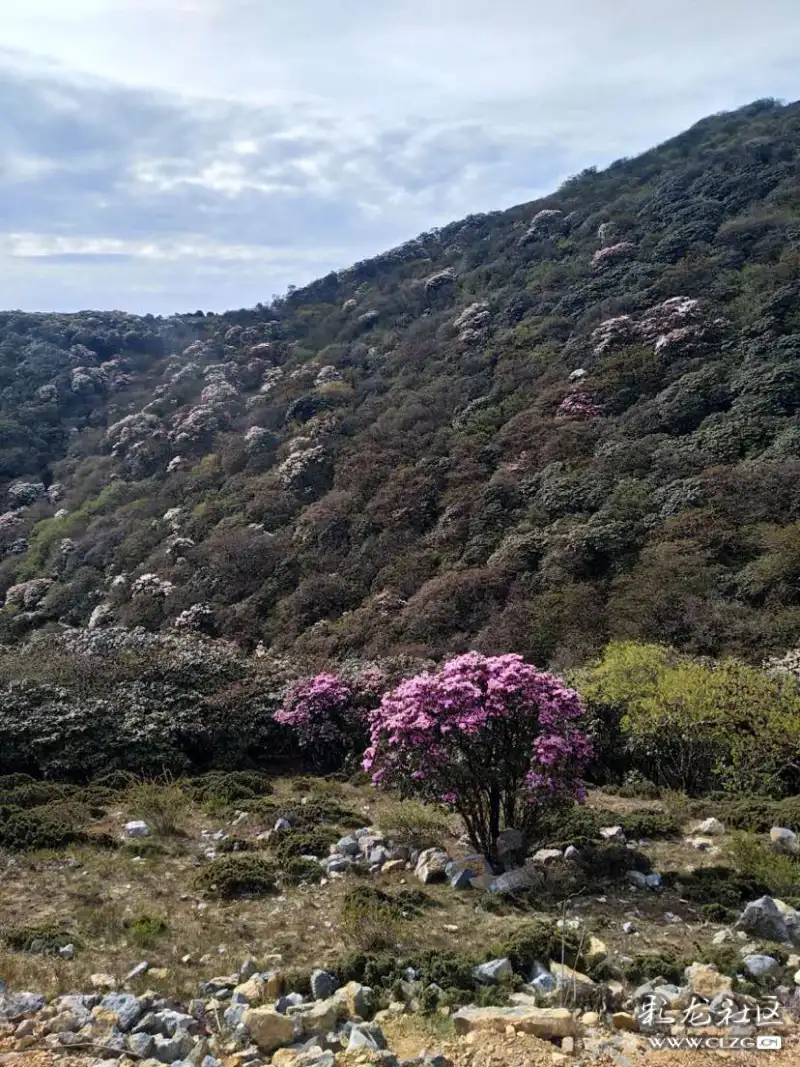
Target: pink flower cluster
{"points": [[492, 736], [579, 406]]}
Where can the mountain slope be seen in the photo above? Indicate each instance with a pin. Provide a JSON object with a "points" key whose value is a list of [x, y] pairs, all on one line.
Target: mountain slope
{"points": [[531, 430]]}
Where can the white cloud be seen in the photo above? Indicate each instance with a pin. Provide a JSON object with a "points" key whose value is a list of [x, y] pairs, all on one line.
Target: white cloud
{"points": [[333, 130]]}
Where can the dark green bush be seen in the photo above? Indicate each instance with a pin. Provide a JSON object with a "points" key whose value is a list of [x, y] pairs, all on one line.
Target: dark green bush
{"points": [[297, 870], [290, 844], [238, 876], [228, 787], [26, 830], [42, 939], [719, 885], [537, 942]]}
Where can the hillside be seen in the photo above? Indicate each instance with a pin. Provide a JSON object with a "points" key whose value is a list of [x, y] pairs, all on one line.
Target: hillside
{"points": [[535, 430]]}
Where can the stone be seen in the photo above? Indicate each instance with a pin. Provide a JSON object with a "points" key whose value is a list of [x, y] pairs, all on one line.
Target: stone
{"points": [[628, 928], [757, 965], [103, 981], [548, 856], [253, 991], [138, 971], [140, 1044], [125, 1006], [623, 1020], [542, 980], [784, 840], [705, 980], [320, 1017], [710, 828], [612, 833], [597, 947], [702, 844], [547, 1023], [764, 919], [430, 866], [14, 1004], [323, 985], [269, 1028], [67, 952], [248, 968], [721, 937], [176, 1047], [580, 986], [590, 1018], [136, 828], [572, 854], [636, 878], [511, 848], [493, 972], [462, 879], [366, 1035], [653, 880], [358, 999], [347, 846]]}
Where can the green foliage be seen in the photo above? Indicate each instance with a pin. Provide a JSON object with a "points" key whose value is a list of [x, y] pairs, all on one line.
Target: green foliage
{"points": [[27, 830], [297, 869], [300, 841], [690, 724], [144, 929], [753, 859], [537, 942], [161, 804], [41, 939], [370, 920], [720, 885], [229, 877]]}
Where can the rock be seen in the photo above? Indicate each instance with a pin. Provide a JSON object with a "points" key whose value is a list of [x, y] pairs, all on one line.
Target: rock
{"points": [[710, 828], [636, 878], [169, 1049], [462, 879], [103, 981], [784, 840], [580, 986], [546, 1023], [721, 937], [511, 848], [14, 1004], [282, 824], [67, 952], [493, 972], [548, 856], [763, 918], [623, 1020], [140, 1044], [590, 1018], [269, 1028], [612, 833], [357, 998], [628, 928], [431, 866], [705, 980], [248, 969], [321, 1016], [125, 1006], [291, 1000], [136, 828], [653, 880], [323, 985], [572, 854], [253, 991], [702, 844], [366, 1035], [757, 965], [597, 947], [136, 972], [347, 846]]}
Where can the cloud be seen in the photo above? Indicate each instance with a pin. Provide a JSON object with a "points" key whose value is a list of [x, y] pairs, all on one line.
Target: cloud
{"points": [[163, 154]]}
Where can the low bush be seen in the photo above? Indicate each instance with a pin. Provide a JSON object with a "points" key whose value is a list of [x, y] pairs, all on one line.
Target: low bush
{"points": [[162, 804], [537, 942], [755, 860], [297, 870], [144, 930], [289, 844], [417, 825], [26, 830], [238, 876], [717, 885], [229, 787], [328, 812], [370, 919], [41, 939]]}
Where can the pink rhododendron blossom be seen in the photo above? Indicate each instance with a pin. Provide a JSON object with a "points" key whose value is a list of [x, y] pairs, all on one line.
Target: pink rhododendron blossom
{"points": [[492, 736], [579, 406]]}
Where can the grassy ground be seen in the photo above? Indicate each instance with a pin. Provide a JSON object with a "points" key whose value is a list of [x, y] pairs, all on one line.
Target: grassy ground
{"points": [[142, 901]]}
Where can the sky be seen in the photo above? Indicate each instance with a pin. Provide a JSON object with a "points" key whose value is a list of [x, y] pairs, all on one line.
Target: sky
{"points": [[174, 155]]}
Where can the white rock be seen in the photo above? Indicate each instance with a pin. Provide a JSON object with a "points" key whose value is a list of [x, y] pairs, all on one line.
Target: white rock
{"points": [[136, 828], [710, 828]]}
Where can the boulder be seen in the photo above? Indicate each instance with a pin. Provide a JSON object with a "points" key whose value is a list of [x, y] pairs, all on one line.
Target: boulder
{"points": [[784, 840], [763, 918], [358, 999], [493, 972], [323, 985], [511, 848], [548, 856], [268, 1028], [757, 965], [580, 986], [431, 866], [546, 1023], [613, 833], [321, 1017], [705, 980], [710, 828], [136, 828]]}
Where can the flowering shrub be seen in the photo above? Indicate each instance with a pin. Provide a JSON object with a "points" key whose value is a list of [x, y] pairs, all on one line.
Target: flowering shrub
{"points": [[329, 715], [493, 737], [579, 406]]}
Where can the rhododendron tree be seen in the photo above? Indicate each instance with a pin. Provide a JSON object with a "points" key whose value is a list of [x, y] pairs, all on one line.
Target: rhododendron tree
{"points": [[330, 715], [493, 737]]}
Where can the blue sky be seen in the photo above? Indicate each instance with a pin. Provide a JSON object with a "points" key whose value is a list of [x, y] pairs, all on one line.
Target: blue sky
{"points": [[168, 155]]}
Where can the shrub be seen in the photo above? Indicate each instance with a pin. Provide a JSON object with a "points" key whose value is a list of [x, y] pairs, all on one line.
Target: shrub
{"points": [[238, 876], [162, 805], [753, 859], [144, 930], [297, 870], [718, 885], [24, 830], [43, 938], [649, 824], [327, 812], [417, 825], [329, 716], [303, 842], [692, 725], [227, 787], [537, 942], [370, 919], [493, 737]]}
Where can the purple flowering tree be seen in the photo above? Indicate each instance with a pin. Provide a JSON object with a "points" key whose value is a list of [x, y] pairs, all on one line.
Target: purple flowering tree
{"points": [[329, 715], [493, 737]]}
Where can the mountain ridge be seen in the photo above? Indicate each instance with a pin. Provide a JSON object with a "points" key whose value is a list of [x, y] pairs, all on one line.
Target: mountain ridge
{"points": [[535, 429]]}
